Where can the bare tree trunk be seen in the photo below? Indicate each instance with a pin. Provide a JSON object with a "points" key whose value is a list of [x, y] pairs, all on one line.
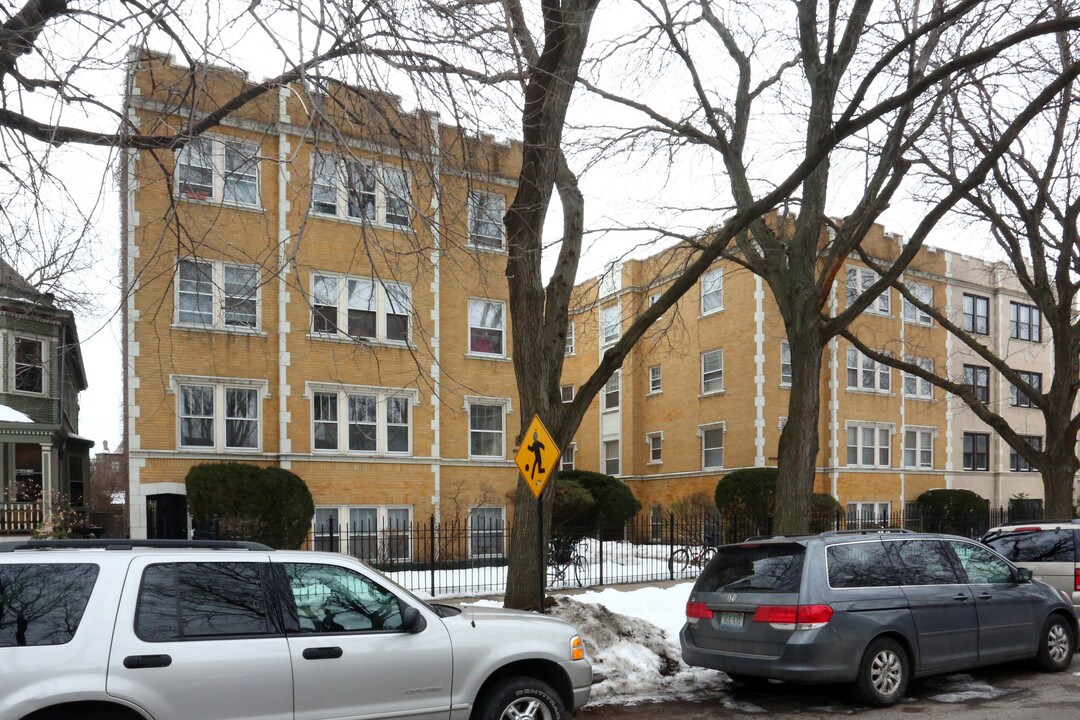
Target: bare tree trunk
{"points": [[797, 457]]}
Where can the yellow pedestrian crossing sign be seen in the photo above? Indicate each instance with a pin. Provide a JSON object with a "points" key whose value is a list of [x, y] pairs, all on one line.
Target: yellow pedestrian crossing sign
{"points": [[537, 456]]}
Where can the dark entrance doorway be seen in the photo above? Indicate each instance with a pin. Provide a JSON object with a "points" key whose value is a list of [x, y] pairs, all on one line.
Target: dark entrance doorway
{"points": [[166, 517]]}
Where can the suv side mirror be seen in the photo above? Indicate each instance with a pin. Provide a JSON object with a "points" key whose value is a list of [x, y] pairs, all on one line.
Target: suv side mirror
{"points": [[1023, 575], [412, 621]]}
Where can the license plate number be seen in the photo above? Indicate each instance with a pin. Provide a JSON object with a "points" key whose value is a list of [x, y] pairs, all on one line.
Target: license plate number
{"points": [[731, 619]]}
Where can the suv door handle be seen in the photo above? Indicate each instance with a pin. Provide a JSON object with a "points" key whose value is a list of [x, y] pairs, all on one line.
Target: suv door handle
{"points": [[322, 653], [133, 662], [960, 596]]}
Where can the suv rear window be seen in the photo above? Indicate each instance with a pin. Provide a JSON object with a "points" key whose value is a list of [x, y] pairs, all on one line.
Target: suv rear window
{"points": [[1051, 545], [42, 604], [754, 568]]}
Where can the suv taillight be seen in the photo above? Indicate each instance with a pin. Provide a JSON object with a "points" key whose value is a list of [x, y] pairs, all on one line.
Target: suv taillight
{"points": [[794, 617], [698, 611]]}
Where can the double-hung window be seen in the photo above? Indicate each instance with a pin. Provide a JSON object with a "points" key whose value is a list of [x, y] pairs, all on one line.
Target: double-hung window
{"points": [[487, 532], [656, 383], [611, 325], [977, 378], [655, 441], [360, 191], [712, 372], [785, 363], [915, 386], [976, 314], [216, 294], [566, 393], [914, 314], [208, 168], [487, 327], [612, 458], [219, 415], [869, 445], [919, 448], [865, 374], [976, 451], [1019, 398], [566, 460], [610, 397], [712, 446], [360, 308], [859, 280], [487, 422], [712, 291], [1017, 462], [358, 419], [29, 366], [1025, 322], [569, 349], [486, 212]]}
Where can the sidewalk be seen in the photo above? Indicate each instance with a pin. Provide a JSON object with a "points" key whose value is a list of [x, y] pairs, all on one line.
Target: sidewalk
{"points": [[622, 587]]}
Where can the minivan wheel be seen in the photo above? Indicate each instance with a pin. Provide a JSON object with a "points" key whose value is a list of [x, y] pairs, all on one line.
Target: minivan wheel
{"points": [[521, 698], [883, 673], [1055, 644]]}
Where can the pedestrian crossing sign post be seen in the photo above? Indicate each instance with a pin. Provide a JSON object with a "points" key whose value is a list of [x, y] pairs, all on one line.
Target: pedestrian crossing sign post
{"points": [[537, 456]]}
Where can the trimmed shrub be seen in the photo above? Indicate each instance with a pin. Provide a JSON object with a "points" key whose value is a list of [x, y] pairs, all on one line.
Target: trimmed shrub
{"points": [[959, 512], [748, 497], [611, 499]]}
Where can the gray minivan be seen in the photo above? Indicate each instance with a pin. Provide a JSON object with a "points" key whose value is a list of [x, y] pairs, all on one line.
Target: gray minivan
{"points": [[873, 609]]}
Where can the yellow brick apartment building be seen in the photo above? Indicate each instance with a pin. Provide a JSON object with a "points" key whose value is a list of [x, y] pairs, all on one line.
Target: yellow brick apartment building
{"points": [[316, 284]]}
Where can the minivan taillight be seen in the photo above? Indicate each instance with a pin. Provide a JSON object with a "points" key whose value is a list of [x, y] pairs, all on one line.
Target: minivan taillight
{"points": [[794, 617], [1076, 580], [698, 611]]}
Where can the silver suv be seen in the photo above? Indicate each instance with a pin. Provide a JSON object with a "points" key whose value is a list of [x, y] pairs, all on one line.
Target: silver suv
{"points": [[872, 609], [1051, 550], [126, 630]]}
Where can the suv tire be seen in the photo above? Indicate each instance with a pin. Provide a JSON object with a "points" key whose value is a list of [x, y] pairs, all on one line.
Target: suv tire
{"points": [[521, 698], [1056, 644], [884, 673]]}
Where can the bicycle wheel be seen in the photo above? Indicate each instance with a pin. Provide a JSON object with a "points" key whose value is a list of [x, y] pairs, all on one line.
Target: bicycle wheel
{"points": [[581, 571], [706, 556], [679, 560]]}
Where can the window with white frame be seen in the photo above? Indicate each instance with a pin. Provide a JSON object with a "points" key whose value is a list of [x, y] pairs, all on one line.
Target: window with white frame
{"points": [[712, 291], [916, 387], [566, 393], [359, 419], [219, 415], [371, 533], [357, 190], [569, 349], [859, 280], [868, 445], [611, 457], [487, 329], [914, 314], [486, 212], [610, 280], [712, 372], [361, 308], [712, 446], [28, 369], [785, 363], [216, 294], [655, 441], [919, 448], [1019, 398], [656, 383], [865, 374], [566, 459], [609, 400], [875, 513], [487, 532], [611, 325], [486, 429], [208, 168]]}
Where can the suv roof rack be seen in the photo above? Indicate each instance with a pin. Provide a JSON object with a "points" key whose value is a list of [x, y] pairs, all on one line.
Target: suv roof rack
{"points": [[121, 544], [1051, 521], [868, 531]]}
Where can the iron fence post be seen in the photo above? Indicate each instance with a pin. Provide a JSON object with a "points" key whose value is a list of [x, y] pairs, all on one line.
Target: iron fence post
{"points": [[600, 539], [431, 552], [671, 544]]}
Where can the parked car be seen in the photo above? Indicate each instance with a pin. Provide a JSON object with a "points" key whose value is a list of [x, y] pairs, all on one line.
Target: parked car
{"points": [[1051, 550], [870, 608], [126, 630]]}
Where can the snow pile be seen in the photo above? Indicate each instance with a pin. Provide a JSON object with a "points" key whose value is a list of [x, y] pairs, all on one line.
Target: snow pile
{"points": [[8, 414], [963, 688]]}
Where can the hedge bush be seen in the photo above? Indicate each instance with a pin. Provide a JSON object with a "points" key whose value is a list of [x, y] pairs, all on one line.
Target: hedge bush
{"points": [[611, 498], [749, 495]]}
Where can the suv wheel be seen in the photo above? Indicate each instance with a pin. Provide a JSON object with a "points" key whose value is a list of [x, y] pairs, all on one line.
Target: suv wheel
{"points": [[521, 698], [1055, 644], [883, 673]]}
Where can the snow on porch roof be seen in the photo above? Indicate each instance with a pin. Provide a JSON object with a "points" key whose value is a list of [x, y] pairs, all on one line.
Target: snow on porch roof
{"points": [[12, 415]]}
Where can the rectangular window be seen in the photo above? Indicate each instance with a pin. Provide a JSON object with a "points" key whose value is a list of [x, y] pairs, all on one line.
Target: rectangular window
{"points": [[196, 415], [1017, 397], [361, 189], [195, 169], [486, 327], [859, 280], [397, 425], [324, 183], [398, 308], [216, 294], [239, 307], [486, 212], [219, 415], [569, 349], [925, 295], [566, 460], [977, 378], [486, 430], [712, 372], [612, 325], [398, 197], [919, 448], [610, 397], [611, 457], [371, 193], [876, 513], [976, 314], [916, 387], [44, 602], [360, 308], [655, 379], [785, 363], [655, 442], [376, 421], [208, 168], [241, 178], [29, 365], [363, 423], [195, 601], [868, 445], [1025, 322], [712, 447], [1017, 463], [241, 418], [487, 533], [976, 451], [324, 415], [195, 285], [865, 374], [324, 304], [712, 291], [566, 393]]}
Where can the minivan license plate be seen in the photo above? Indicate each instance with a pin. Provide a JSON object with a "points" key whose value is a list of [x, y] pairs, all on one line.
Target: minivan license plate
{"points": [[731, 619]]}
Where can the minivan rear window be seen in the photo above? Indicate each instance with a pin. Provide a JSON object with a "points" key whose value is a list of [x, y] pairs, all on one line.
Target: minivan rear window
{"points": [[1051, 545], [771, 568], [863, 564], [43, 603]]}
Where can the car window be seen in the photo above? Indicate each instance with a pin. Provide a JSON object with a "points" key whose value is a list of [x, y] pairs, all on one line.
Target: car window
{"points": [[196, 601], [980, 565], [1051, 545], [43, 604], [923, 562], [335, 599], [863, 564], [754, 568]]}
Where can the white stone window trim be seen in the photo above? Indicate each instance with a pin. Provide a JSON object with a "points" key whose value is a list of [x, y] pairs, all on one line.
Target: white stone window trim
{"points": [[877, 427], [220, 385], [707, 276], [562, 393], [913, 315], [606, 339], [341, 192], [722, 427], [572, 465], [382, 393], [920, 384], [217, 154], [701, 365], [507, 406], [881, 305], [657, 387], [217, 281], [649, 437], [919, 430], [469, 352], [569, 348], [862, 364], [501, 248], [605, 407], [382, 307], [785, 345], [345, 531], [46, 363]]}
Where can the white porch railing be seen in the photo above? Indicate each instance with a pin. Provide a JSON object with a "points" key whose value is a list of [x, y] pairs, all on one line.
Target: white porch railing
{"points": [[19, 517]]}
